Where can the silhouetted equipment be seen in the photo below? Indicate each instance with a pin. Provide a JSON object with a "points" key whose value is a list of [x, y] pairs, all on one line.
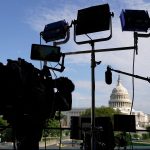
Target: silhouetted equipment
{"points": [[29, 99], [32, 89], [135, 20], [93, 19], [63, 96], [55, 31], [108, 76], [48, 53], [104, 136], [125, 123], [45, 53], [75, 127]]}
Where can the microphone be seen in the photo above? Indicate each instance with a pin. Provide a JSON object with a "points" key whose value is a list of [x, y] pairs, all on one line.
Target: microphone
{"points": [[108, 76]]}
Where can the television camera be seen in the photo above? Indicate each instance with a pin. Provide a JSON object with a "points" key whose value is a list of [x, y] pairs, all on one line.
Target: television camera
{"points": [[26, 89], [30, 96]]}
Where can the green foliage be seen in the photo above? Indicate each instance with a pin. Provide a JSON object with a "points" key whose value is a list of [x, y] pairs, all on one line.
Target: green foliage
{"points": [[145, 136], [101, 112], [67, 133], [6, 133], [49, 131], [135, 135], [122, 139], [3, 122]]}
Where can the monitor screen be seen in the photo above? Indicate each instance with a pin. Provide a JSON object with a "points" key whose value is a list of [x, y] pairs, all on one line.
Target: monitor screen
{"points": [[45, 53]]}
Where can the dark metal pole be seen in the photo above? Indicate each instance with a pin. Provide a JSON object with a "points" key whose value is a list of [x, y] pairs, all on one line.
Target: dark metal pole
{"points": [[133, 75], [93, 65], [101, 50]]}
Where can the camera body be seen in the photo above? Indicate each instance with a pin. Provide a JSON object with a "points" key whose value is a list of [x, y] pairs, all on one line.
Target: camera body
{"points": [[29, 91], [28, 99]]}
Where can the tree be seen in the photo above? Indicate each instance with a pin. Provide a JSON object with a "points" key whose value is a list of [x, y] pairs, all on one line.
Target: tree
{"points": [[101, 112], [6, 133], [145, 136], [50, 130], [52, 125], [3, 122]]}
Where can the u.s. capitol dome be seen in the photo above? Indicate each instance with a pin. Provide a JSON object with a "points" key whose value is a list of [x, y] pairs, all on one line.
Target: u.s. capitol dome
{"points": [[120, 99]]}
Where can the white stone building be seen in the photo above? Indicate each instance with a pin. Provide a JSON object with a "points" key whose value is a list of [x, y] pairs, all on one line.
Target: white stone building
{"points": [[73, 112], [120, 99]]}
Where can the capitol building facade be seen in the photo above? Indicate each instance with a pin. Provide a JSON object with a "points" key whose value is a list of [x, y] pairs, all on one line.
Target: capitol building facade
{"points": [[120, 99]]}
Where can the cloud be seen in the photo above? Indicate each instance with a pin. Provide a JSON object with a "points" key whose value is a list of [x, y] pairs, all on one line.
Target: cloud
{"points": [[81, 100], [140, 4], [83, 84], [116, 58], [82, 93], [42, 15]]}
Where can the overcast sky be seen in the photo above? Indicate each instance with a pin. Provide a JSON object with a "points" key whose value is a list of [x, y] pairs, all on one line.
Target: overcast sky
{"points": [[23, 20]]}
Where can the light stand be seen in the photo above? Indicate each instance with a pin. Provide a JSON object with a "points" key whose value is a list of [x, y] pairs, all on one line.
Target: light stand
{"points": [[86, 24]]}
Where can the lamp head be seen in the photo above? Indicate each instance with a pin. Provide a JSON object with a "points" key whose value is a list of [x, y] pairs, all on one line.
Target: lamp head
{"points": [[55, 31], [93, 19], [135, 20]]}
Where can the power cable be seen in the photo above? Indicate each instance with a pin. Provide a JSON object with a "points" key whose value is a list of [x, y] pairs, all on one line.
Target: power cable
{"points": [[133, 84], [133, 90]]}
